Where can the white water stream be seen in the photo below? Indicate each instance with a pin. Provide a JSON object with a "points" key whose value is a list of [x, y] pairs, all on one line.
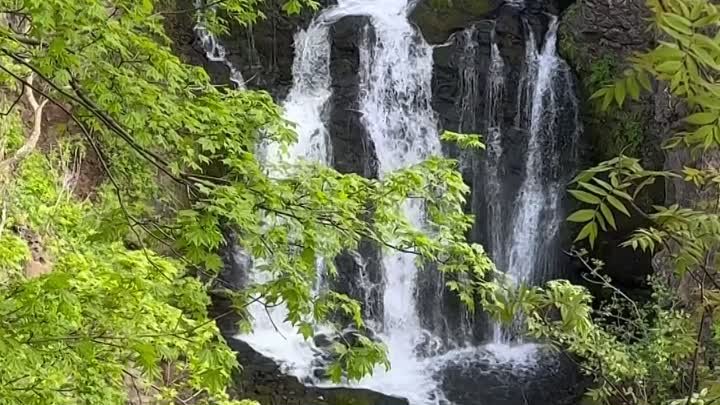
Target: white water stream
{"points": [[526, 237], [214, 51], [305, 106], [395, 86], [537, 213]]}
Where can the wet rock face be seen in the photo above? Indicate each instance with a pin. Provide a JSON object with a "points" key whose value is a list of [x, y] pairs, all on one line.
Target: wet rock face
{"points": [[263, 52], [618, 24], [353, 150], [596, 38], [437, 20], [265, 55]]}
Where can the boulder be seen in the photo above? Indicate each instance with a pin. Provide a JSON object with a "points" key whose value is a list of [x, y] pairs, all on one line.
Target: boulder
{"points": [[488, 378], [262, 379]]}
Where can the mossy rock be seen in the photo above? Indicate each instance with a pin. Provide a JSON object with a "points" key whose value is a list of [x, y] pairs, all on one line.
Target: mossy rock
{"points": [[598, 58], [438, 19]]}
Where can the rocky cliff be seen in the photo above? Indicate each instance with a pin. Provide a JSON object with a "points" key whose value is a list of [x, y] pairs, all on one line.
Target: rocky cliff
{"points": [[597, 37]]}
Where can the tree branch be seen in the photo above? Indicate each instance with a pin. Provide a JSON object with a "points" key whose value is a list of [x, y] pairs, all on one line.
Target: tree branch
{"points": [[32, 141]]}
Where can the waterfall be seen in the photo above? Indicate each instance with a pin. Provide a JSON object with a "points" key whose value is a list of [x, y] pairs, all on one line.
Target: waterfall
{"points": [[537, 215], [395, 86], [527, 80], [469, 83], [395, 104], [304, 106], [492, 161], [526, 236], [494, 190], [308, 98]]}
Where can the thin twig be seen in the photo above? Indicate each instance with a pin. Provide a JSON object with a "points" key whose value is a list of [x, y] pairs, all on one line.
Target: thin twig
{"points": [[696, 354]]}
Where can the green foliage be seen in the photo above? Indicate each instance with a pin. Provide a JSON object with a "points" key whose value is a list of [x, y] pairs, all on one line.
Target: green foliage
{"points": [[636, 353], [626, 136], [465, 141], [14, 253], [657, 352], [11, 130], [102, 314], [613, 131], [569, 49]]}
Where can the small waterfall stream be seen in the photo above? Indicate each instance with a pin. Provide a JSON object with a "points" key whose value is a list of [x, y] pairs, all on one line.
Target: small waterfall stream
{"points": [[526, 234], [493, 192], [545, 88], [214, 51]]}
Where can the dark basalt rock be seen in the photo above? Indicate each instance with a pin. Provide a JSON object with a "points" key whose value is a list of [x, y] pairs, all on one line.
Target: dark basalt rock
{"points": [[353, 150], [236, 263], [263, 380], [437, 20], [263, 52], [482, 379]]}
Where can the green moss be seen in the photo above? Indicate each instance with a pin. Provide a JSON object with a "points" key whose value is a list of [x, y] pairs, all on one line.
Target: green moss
{"points": [[439, 17], [614, 131], [601, 71], [567, 46], [624, 133]]}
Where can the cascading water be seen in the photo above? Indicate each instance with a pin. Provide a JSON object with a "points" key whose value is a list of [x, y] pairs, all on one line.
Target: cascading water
{"points": [[538, 212], [307, 101], [395, 100], [469, 83], [526, 236], [492, 160], [493, 190], [395, 80], [527, 79], [305, 106]]}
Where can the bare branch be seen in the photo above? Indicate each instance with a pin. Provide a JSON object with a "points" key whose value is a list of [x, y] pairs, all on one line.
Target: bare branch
{"points": [[12, 106], [32, 141]]}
